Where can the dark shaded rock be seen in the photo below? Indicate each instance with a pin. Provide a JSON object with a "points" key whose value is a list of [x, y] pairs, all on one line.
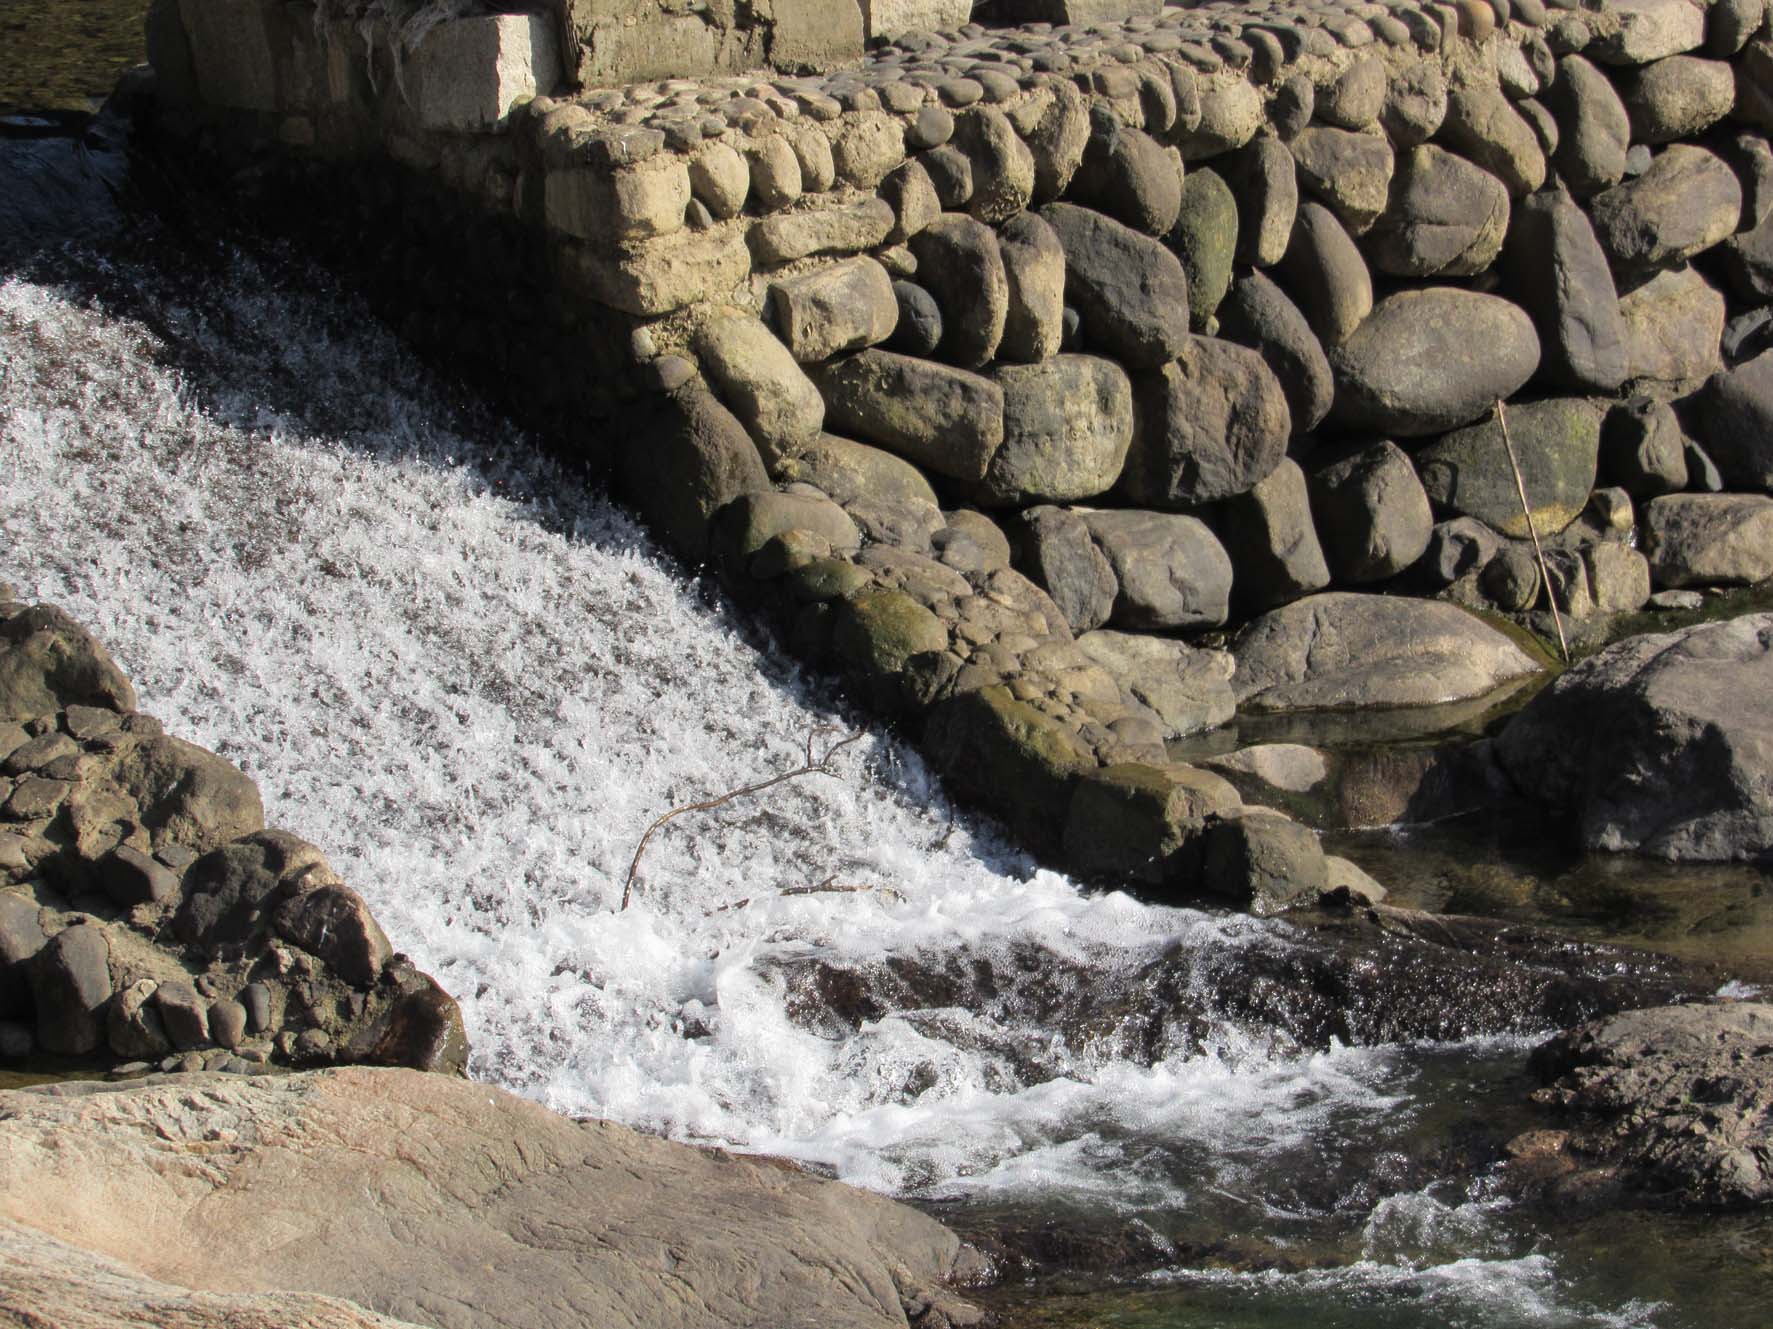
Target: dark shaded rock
{"points": [[419, 1025], [1556, 269], [1444, 216], [1455, 548], [959, 264], [1257, 313], [1371, 512], [1265, 190], [946, 420], [1709, 539], [1733, 419], [184, 1014], [1003, 167], [1430, 360], [1034, 264], [132, 1022], [919, 328], [1349, 173], [48, 662], [1207, 426], [1133, 822], [333, 924], [1750, 155], [1686, 202], [1594, 130], [1067, 423], [1556, 442], [21, 937], [1325, 274], [130, 878], [1128, 175], [1263, 861], [1205, 238], [70, 983], [950, 172], [1053, 547], [231, 891], [1172, 571], [1005, 753], [1730, 23], [1642, 449], [1272, 542], [851, 473], [700, 459], [1661, 744], [1511, 581], [1130, 292], [1675, 1102], [1747, 260], [186, 795], [227, 1023], [1341, 650]]}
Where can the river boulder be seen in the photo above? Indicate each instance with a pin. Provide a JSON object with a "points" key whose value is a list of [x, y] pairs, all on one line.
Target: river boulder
{"points": [[1661, 744]]}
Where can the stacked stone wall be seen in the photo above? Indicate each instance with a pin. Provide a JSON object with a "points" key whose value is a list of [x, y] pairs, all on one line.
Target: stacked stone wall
{"points": [[1018, 366]]}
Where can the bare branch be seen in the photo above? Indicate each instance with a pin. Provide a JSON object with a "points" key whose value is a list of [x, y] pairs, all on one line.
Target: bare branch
{"points": [[812, 766], [827, 887]]}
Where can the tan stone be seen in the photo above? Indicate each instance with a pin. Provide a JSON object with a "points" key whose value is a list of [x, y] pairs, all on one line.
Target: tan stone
{"points": [[719, 177], [846, 228]]}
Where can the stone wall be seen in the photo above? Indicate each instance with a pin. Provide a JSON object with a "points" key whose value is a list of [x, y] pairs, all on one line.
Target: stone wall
{"points": [[1015, 368]]}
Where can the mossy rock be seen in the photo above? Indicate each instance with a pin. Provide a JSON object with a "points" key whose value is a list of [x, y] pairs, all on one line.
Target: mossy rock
{"points": [[1016, 760], [878, 631], [1141, 822]]}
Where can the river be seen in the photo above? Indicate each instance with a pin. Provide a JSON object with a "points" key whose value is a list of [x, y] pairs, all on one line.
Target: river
{"points": [[475, 682]]}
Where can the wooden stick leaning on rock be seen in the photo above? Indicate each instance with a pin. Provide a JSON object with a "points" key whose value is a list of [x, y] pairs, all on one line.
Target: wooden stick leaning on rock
{"points": [[812, 766], [1520, 487]]}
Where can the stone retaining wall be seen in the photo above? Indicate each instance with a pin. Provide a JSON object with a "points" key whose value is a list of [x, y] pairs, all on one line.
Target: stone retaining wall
{"points": [[1015, 366]]}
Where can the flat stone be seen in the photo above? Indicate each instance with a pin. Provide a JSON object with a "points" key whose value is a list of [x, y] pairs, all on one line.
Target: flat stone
{"points": [[846, 228], [851, 472], [1067, 424], [1349, 173], [1188, 688], [1171, 570], [1129, 290], [1430, 360], [1687, 201], [130, 878], [946, 420], [1341, 650], [1209, 424], [1709, 539], [843, 307]]}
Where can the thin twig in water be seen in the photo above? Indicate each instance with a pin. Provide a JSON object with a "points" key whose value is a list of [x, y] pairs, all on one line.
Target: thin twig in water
{"points": [[830, 886], [812, 766], [1520, 487]]}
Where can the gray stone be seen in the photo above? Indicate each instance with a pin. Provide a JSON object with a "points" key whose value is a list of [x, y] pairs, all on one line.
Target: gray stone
{"points": [[986, 741], [1258, 314], [1674, 327], [1325, 275], [1210, 424], [1429, 360], [843, 307], [21, 937], [1750, 155], [1483, 125], [1186, 687], [1709, 539], [1349, 173], [185, 795], [1205, 239], [913, 199], [1342, 650], [1034, 267], [946, 420], [1747, 335], [1172, 572], [469, 74], [1128, 176], [257, 999], [1618, 577], [1677, 98], [1650, 30], [919, 328], [1556, 269], [70, 979], [1733, 418], [1265, 190], [844, 228], [1130, 292], [1729, 24], [1594, 129], [1748, 263], [959, 264], [1058, 139], [49, 662], [1139, 822], [774, 173], [1263, 861], [758, 377], [184, 1014], [1687, 201], [130, 878], [1642, 449], [1455, 548], [1231, 113], [1415, 104], [1371, 512], [132, 1023], [1754, 85], [1557, 443], [1067, 423], [1510, 581], [701, 459], [751, 521], [950, 173], [850, 472], [1356, 98], [1053, 548], [1003, 167], [720, 178], [227, 1023], [1445, 216], [1660, 744], [1273, 544]]}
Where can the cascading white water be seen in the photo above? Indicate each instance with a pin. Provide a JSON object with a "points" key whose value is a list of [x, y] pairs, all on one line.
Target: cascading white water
{"points": [[475, 685]]}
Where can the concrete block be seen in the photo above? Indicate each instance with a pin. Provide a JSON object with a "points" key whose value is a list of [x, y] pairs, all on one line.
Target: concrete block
{"points": [[467, 74]]}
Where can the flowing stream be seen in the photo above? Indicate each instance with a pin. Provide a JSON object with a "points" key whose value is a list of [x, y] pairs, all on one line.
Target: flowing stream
{"points": [[475, 684]]}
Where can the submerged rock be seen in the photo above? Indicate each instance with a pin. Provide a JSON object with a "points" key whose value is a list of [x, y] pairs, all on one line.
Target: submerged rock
{"points": [[1661, 744]]}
